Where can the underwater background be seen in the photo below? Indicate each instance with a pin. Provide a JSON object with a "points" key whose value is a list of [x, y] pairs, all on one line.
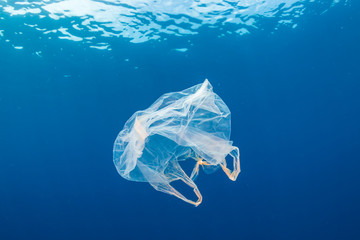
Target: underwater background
{"points": [[72, 72]]}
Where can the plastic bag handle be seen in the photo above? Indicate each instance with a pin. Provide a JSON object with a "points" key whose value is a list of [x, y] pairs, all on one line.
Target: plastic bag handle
{"points": [[236, 165]]}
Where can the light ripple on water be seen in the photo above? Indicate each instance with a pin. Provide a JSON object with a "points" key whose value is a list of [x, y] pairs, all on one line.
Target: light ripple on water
{"points": [[92, 22]]}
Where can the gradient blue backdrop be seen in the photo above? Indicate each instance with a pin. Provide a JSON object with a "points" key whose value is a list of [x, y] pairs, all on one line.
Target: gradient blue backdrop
{"points": [[294, 97]]}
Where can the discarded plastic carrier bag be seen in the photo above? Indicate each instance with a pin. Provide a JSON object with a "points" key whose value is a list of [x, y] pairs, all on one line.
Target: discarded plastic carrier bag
{"points": [[191, 125]]}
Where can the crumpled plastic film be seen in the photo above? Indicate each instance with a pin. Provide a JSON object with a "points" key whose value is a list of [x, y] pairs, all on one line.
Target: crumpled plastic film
{"points": [[192, 125]]}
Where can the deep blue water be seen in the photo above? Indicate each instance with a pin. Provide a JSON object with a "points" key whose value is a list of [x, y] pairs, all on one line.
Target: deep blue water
{"points": [[295, 103]]}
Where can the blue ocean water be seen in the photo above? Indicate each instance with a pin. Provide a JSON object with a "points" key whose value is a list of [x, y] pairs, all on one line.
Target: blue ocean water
{"points": [[72, 72]]}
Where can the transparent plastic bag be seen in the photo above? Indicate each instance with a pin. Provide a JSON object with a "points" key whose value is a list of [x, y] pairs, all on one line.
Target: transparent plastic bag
{"points": [[193, 124]]}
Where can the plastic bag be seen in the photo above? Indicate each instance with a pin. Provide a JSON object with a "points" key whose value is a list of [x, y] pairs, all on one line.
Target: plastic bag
{"points": [[193, 124]]}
